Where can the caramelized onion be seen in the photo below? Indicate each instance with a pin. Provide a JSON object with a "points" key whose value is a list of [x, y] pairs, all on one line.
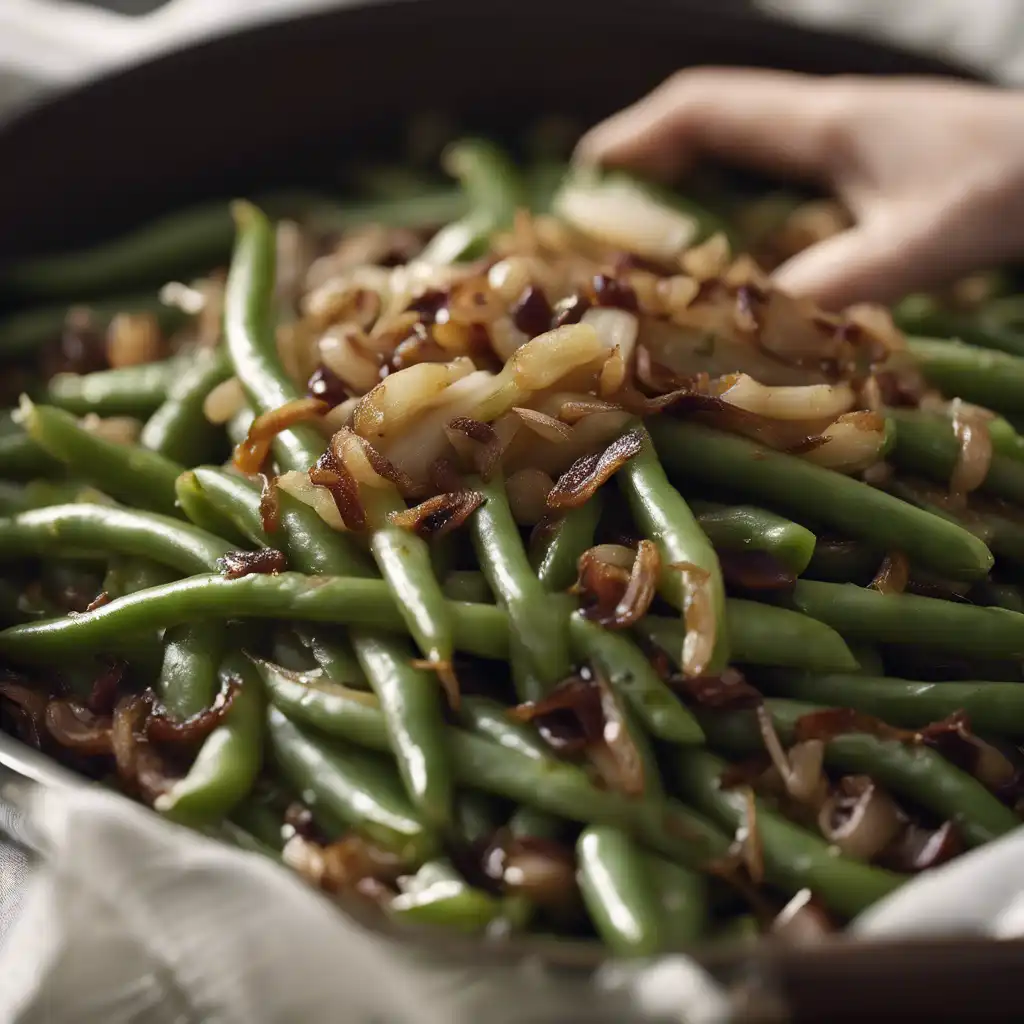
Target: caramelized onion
{"points": [[139, 765], [250, 455], [859, 818], [340, 866], [263, 561], [440, 515], [754, 570], [728, 691], [78, 729], [802, 921], [341, 485], [623, 768], [365, 463], [542, 869], [544, 426], [270, 504], [749, 839], [892, 575], [103, 693], [698, 617], [486, 446], [970, 425], [569, 719], [855, 441], [579, 483], [163, 727], [919, 848], [796, 402], [31, 709]]}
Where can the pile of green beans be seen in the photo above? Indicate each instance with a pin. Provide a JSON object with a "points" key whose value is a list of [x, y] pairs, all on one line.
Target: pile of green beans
{"points": [[331, 678]]}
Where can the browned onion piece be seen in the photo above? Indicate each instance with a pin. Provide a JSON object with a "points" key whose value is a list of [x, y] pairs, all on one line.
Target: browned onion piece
{"points": [[859, 818], [488, 450], [440, 515], [251, 453], [802, 920], [573, 410], [263, 561], [919, 848], [754, 570], [831, 722], [98, 601], [31, 707], [642, 586], [339, 482], [623, 768], [569, 719], [345, 441], [749, 838], [985, 761], [103, 695], [340, 866], [77, 728], [163, 727], [542, 869], [970, 425], [270, 503], [579, 482], [893, 574], [544, 426], [728, 691], [600, 586], [139, 765], [699, 619]]}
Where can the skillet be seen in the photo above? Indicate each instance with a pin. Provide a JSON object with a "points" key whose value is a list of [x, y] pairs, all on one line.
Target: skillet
{"points": [[288, 104]]}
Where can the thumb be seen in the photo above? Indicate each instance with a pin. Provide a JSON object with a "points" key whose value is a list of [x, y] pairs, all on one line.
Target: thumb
{"points": [[879, 260]]}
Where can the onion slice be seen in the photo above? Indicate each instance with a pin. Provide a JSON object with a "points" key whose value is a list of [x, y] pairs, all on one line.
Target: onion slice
{"points": [[589, 472], [250, 455], [440, 515], [859, 818]]}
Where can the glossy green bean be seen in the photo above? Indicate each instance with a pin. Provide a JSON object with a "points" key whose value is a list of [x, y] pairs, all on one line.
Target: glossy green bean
{"points": [[555, 549], [178, 428], [21, 458], [410, 702], [229, 761], [533, 614], [171, 542], [618, 892], [762, 637], [467, 585], [914, 772], [996, 325], [480, 629], [200, 511], [334, 655], [529, 822], [994, 380], [663, 515], [794, 859], [992, 708], [555, 787], [926, 445], [350, 789], [486, 717], [804, 490], [863, 614], [126, 391], [749, 528], [438, 895], [631, 674], [123, 471], [192, 657], [683, 901], [14, 498]]}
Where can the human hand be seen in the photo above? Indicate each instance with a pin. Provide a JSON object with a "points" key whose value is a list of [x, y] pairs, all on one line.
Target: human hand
{"points": [[931, 170]]}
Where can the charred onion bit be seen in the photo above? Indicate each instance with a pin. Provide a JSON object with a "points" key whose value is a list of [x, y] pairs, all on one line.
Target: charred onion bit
{"points": [[541, 869], [140, 766], [270, 503], [251, 453], [569, 719], [332, 475], [728, 691], [341, 866], [489, 446], [440, 515], [754, 570], [76, 728], [103, 695], [589, 472], [265, 561], [162, 727], [532, 312]]}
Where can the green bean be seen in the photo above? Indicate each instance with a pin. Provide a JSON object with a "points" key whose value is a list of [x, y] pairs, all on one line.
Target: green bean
{"points": [[558, 788], [124, 471], [403, 558], [532, 613], [25, 332], [192, 656], [438, 895], [794, 859], [178, 428], [477, 817], [632, 675], [683, 898], [998, 595], [192, 500], [913, 772], [529, 822], [127, 575], [261, 822], [926, 445], [171, 542], [843, 561], [350, 788], [312, 546], [996, 325], [480, 629], [618, 892], [228, 762], [126, 391], [761, 637], [991, 707], [467, 585], [863, 614], [984, 377], [555, 549], [528, 686], [20, 456], [486, 717], [494, 191], [14, 498], [410, 703], [804, 490], [748, 528], [663, 515], [334, 655]]}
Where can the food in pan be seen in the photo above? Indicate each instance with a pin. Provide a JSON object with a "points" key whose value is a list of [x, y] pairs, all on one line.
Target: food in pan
{"points": [[515, 558]]}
